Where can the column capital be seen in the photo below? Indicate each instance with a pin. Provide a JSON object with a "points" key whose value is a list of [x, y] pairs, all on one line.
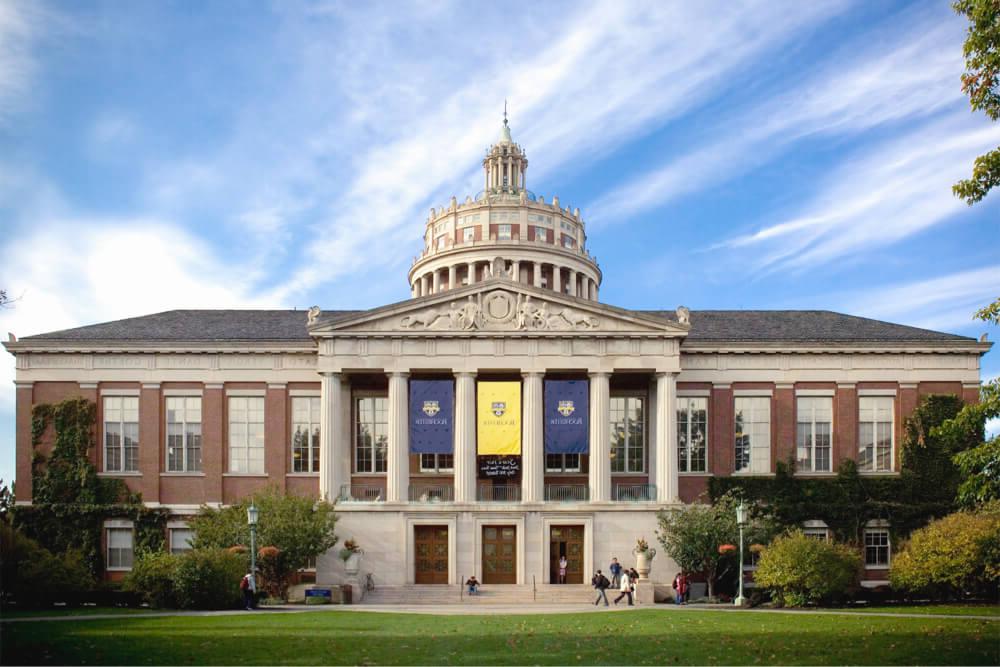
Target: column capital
{"points": [[527, 374], [598, 374], [398, 374], [664, 374], [331, 374]]}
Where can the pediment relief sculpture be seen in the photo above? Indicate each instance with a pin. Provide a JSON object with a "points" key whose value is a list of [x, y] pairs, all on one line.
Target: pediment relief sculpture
{"points": [[500, 310]]}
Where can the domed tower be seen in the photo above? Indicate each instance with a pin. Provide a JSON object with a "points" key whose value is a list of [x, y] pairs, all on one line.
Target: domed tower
{"points": [[541, 244]]}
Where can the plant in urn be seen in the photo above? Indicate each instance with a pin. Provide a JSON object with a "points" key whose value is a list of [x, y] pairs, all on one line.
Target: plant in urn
{"points": [[643, 557], [351, 555]]}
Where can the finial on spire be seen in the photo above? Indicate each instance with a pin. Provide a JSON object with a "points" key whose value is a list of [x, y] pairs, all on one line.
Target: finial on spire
{"points": [[505, 111]]}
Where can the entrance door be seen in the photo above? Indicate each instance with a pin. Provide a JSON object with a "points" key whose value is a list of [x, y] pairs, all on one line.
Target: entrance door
{"points": [[566, 541], [431, 547], [499, 554]]}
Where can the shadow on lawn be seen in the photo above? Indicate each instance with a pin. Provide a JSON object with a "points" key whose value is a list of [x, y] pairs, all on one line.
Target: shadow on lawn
{"points": [[648, 637]]}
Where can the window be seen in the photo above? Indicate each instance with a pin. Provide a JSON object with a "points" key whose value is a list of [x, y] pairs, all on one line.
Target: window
{"points": [[437, 462], [121, 433], [468, 234], [246, 434], [753, 434], [692, 434], [541, 234], [628, 434], [442, 242], [183, 434], [371, 433], [305, 434], [568, 242], [875, 433], [562, 463], [503, 232], [876, 547], [119, 555], [180, 540], [814, 415], [818, 534]]}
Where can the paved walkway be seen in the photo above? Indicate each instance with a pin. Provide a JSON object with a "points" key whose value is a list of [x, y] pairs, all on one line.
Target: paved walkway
{"points": [[490, 610]]}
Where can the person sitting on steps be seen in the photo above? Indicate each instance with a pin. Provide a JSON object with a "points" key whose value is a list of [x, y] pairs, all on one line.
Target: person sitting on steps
{"points": [[473, 585]]}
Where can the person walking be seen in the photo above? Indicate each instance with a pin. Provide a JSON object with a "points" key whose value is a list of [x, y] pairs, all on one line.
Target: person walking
{"points": [[680, 584], [616, 572], [562, 569], [633, 577], [625, 588], [601, 583], [248, 587]]}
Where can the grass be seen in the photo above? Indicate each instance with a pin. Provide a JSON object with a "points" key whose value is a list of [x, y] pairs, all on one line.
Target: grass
{"points": [[72, 611], [660, 636], [931, 609]]}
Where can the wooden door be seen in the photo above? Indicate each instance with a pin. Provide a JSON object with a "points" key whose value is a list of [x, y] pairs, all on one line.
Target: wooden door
{"points": [[566, 541], [431, 547], [499, 554]]}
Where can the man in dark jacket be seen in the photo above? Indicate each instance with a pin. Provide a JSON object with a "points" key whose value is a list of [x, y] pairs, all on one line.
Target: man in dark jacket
{"points": [[601, 583]]}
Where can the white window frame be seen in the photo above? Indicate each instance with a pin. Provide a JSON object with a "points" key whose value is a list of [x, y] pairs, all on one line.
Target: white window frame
{"points": [[822, 534], [437, 467], [644, 430], [358, 398], [564, 467], [468, 234], [121, 405], [176, 530], [878, 408], [115, 529], [755, 405], [544, 234], [441, 242], [880, 531], [686, 405], [568, 241], [806, 409], [505, 232], [185, 423], [312, 424], [248, 465]]}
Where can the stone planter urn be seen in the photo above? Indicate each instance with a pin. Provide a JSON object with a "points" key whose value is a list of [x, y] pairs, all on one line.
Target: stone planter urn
{"points": [[643, 561], [353, 563]]}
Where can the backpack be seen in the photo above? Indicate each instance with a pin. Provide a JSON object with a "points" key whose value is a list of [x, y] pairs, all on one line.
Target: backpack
{"points": [[603, 583], [244, 584]]}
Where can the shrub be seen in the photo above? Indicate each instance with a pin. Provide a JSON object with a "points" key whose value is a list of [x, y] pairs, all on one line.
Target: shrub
{"points": [[274, 568], [955, 556], [152, 578], [799, 570], [209, 579], [31, 575]]}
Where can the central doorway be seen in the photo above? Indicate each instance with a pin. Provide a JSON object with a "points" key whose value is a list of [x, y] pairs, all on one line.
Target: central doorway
{"points": [[431, 546], [566, 541], [499, 554]]}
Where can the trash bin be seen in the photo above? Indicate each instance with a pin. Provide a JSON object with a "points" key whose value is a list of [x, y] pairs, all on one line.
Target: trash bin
{"points": [[345, 590]]}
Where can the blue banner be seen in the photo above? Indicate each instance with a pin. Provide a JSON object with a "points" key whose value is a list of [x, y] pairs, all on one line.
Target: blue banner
{"points": [[567, 416], [432, 416]]}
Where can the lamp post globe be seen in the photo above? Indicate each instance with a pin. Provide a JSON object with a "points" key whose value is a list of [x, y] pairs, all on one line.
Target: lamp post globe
{"points": [[741, 517]]}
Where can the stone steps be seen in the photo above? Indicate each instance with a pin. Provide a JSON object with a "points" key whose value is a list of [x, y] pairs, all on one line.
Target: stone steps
{"points": [[488, 594]]}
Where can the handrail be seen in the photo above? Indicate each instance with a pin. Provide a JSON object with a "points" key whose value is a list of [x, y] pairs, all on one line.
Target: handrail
{"points": [[461, 587], [534, 589]]}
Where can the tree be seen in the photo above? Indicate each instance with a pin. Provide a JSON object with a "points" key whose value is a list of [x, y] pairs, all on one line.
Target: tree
{"points": [[955, 556], [800, 570], [298, 527], [979, 467], [981, 82], [692, 537]]}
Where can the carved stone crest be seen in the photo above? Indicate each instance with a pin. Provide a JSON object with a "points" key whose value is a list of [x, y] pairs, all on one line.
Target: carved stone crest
{"points": [[313, 315], [500, 310], [683, 315]]}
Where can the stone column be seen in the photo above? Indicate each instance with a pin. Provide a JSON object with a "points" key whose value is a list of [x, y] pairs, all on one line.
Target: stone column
{"points": [[572, 282], [331, 474], [556, 278], [465, 437], [472, 272], [516, 270], [436, 281], [600, 437], [398, 461], [452, 277], [533, 456], [536, 273], [666, 437]]}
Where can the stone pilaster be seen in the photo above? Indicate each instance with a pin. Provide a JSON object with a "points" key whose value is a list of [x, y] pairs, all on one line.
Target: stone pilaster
{"points": [[666, 437], [533, 454], [465, 437], [600, 437], [331, 476], [398, 463]]}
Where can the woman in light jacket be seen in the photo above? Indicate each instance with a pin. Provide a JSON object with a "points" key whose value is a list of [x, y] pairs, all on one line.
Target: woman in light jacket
{"points": [[626, 589]]}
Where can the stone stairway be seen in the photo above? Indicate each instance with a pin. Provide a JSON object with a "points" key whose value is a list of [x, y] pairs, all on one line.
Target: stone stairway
{"points": [[488, 594]]}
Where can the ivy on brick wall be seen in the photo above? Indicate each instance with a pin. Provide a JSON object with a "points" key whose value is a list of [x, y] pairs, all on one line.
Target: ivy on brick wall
{"points": [[924, 489], [70, 503]]}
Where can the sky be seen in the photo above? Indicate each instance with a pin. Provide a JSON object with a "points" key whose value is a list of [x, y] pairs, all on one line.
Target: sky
{"points": [[759, 155]]}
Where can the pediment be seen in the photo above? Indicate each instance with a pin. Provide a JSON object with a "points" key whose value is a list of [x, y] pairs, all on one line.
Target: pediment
{"points": [[496, 306]]}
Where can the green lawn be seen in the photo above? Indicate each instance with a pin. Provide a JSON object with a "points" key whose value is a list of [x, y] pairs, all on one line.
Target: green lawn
{"points": [[73, 611], [658, 637], [953, 609]]}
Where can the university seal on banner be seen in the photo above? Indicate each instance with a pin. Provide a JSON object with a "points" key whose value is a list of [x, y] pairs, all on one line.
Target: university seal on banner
{"points": [[431, 408], [499, 407], [566, 408]]}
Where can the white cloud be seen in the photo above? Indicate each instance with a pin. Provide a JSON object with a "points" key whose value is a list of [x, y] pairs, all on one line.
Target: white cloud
{"points": [[18, 30]]}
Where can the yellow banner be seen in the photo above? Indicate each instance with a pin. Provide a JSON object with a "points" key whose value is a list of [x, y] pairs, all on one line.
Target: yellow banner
{"points": [[499, 418]]}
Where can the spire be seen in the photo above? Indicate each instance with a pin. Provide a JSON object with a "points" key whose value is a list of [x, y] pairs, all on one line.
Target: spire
{"points": [[505, 132]]}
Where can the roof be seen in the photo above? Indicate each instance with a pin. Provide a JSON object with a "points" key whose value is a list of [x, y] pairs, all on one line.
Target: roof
{"points": [[752, 326]]}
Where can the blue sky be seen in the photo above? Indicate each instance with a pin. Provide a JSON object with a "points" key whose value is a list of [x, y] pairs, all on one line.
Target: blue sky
{"points": [[158, 155]]}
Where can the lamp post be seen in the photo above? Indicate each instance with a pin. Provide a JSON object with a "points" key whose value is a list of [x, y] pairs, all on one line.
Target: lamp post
{"points": [[741, 518], [252, 515]]}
